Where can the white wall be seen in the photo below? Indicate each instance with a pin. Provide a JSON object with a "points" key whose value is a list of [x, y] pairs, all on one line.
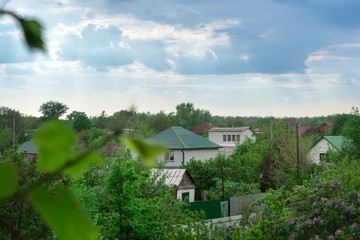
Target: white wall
{"points": [[321, 147], [228, 147], [217, 137], [191, 194], [197, 154]]}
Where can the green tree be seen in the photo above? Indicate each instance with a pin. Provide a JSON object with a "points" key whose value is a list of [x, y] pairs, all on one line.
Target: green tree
{"points": [[339, 123], [72, 116], [160, 122], [53, 110], [81, 123]]}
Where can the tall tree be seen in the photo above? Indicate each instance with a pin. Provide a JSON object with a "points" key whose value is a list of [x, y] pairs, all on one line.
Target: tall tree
{"points": [[53, 110], [81, 122]]}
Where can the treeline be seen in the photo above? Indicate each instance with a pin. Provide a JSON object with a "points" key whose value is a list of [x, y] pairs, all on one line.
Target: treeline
{"points": [[89, 128]]}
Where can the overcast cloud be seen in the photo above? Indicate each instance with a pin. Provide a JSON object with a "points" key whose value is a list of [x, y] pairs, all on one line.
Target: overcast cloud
{"points": [[282, 58]]}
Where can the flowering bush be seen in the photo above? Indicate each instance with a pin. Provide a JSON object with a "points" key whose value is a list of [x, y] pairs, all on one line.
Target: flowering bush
{"points": [[325, 212]]}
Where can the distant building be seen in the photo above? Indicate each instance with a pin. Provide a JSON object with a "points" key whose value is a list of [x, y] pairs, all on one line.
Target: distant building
{"points": [[323, 127], [304, 129], [184, 145], [228, 138], [112, 149], [180, 180], [31, 150], [202, 128], [318, 150]]}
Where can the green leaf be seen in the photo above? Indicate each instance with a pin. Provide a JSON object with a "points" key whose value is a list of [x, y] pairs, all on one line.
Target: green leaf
{"points": [[32, 30], [75, 169], [54, 140], [62, 214], [8, 179], [148, 152]]}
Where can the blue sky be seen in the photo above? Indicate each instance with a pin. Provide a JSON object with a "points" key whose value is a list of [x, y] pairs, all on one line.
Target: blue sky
{"points": [[232, 57]]}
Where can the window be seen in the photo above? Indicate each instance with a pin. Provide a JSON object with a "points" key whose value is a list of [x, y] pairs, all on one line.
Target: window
{"points": [[185, 196], [233, 138], [169, 156], [224, 138], [229, 138], [238, 138], [322, 156]]}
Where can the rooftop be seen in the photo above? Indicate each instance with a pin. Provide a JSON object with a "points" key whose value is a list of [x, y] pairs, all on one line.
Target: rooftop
{"points": [[229, 129], [180, 138]]}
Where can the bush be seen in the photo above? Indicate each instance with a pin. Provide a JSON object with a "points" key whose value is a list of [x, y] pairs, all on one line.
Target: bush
{"points": [[325, 212]]}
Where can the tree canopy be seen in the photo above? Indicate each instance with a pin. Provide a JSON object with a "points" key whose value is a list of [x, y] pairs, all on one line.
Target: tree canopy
{"points": [[53, 109]]}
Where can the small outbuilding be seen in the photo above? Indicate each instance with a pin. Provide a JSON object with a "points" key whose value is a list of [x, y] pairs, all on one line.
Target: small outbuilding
{"points": [[318, 150], [180, 180], [111, 149], [31, 150]]}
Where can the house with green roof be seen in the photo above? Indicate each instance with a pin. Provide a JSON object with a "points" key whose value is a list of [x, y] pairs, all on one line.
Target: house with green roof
{"points": [[184, 145], [319, 149], [31, 150]]}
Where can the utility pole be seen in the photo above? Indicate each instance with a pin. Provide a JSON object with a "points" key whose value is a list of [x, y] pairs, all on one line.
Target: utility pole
{"points": [[13, 130], [271, 135], [222, 177], [297, 151]]}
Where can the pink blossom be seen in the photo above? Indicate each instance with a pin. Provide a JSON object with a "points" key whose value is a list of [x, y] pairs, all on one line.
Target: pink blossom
{"points": [[354, 225], [338, 232]]}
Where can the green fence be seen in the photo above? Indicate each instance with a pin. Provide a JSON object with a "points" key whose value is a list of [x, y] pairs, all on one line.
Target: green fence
{"points": [[211, 208]]}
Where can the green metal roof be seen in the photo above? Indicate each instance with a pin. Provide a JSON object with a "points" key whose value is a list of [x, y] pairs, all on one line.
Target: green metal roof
{"points": [[336, 141], [28, 147], [180, 138]]}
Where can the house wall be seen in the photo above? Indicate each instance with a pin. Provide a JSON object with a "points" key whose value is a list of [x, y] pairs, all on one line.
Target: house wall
{"points": [[229, 146], [321, 147], [217, 137], [190, 191], [197, 154]]}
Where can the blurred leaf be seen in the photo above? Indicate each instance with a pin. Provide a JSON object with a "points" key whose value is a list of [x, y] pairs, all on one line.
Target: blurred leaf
{"points": [[148, 152], [62, 214], [54, 140], [75, 169], [32, 30], [8, 179]]}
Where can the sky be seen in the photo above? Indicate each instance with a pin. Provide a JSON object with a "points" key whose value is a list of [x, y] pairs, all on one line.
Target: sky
{"points": [[283, 58]]}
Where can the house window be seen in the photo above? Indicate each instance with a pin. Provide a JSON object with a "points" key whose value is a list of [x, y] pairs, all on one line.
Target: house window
{"points": [[229, 138], [224, 138], [322, 156], [238, 138], [185, 196], [169, 156], [233, 138]]}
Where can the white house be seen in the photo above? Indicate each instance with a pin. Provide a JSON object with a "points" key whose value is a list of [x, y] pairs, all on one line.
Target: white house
{"points": [[318, 150], [184, 145], [228, 138], [180, 180]]}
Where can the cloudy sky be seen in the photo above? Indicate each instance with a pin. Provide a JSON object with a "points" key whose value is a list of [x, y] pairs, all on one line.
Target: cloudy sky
{"points": [[232, 57]]}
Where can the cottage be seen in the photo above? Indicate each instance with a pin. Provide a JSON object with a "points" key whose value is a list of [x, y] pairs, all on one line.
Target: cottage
{"points": [[319, 149], [229, 137], [323, 127], [180, 180], [31, 150], [184, 145], [112, 149]]}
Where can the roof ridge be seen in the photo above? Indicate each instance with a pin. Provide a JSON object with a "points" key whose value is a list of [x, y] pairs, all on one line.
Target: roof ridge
{"points": [[177, 135]]}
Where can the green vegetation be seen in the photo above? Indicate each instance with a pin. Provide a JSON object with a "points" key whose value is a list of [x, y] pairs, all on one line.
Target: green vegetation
{"points": [[72, 194]]}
